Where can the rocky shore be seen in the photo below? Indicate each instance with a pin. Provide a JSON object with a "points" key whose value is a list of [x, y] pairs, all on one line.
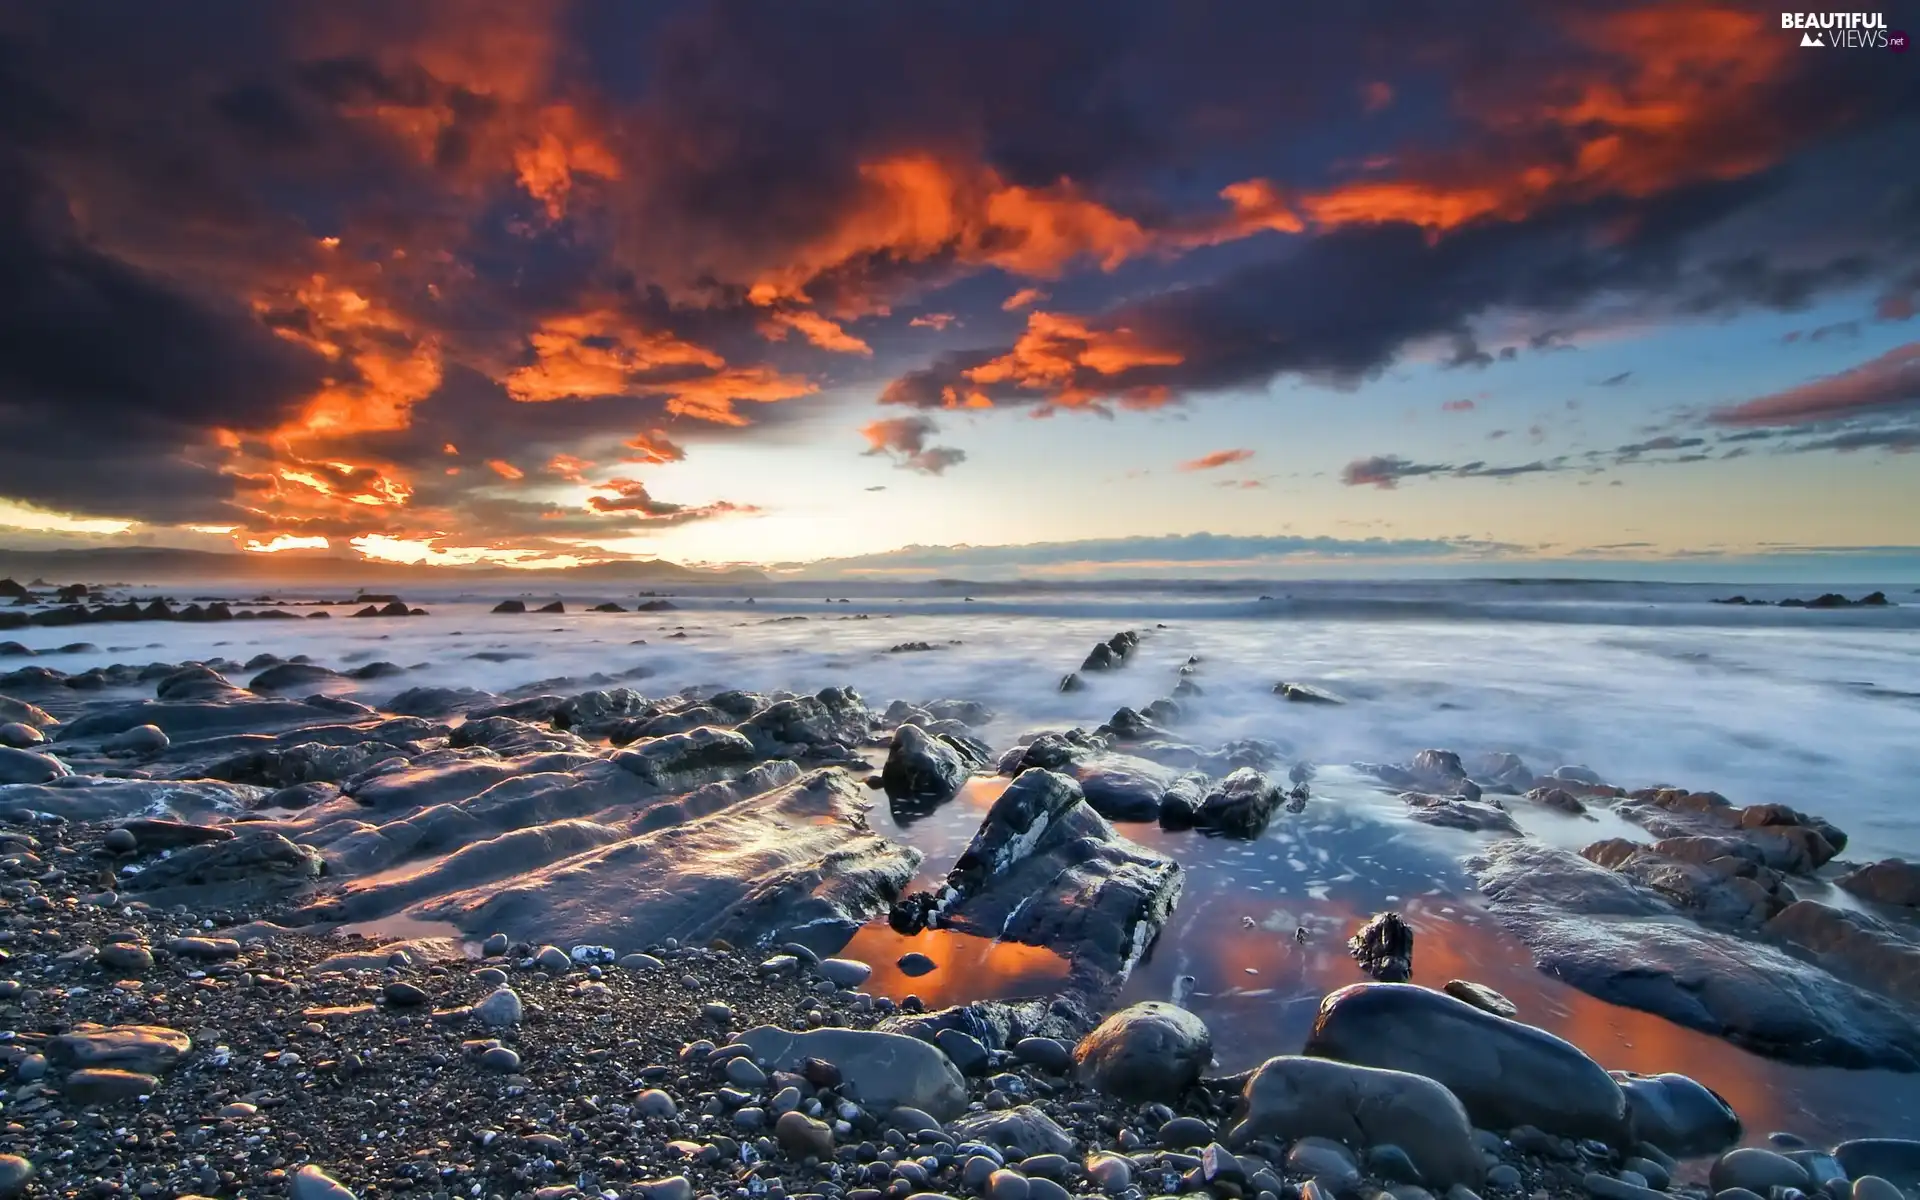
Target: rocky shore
{"points": [[656, 888]]}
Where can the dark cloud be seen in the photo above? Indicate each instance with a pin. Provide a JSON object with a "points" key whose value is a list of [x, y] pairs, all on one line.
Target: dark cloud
{"points": [[1387, 470], [1616, 380], [1887, 383], [906, 441]]}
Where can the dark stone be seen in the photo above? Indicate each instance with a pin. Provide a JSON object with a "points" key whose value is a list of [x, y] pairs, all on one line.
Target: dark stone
{"points": [[1384, 947], [1151, 1051]]}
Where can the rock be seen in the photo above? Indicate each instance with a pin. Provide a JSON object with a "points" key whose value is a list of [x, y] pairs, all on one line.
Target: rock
{"points": [[1894, 1159], [1481, 997], [889, 1070], [1677, 1114], [31, 1068], [1182, 1132], [1504, 1178], [1606, 1187], [914, 964], [1044, 869], [844, 972], [1867, 1187], [511, 606], [120, 841], [20, 736], [924, 766], [804, 1137], [1505, 1073], [499, 1009], [255, 862], [1023, 1128], [1853, 945], [1294, 1097], [1756, 1170], [1384, 947], [401, 994], [143, 1049], [1658, 1177], [964, 1050], [1049, 1054], [1890, 881], [1111, 1173], [1388, 1161], [1823, 1169], [655, 1103], [1239, 805], [1006, 1184], [1604, 935], [674, 1187], [1459, 812], [204, 949], [1151, 1051], [1302, 693], [106, 1085], [27, 766], [1123, 787], [1559, 799], [311, 1183], [553, 960], [289, 676], [500, 1058], [125, 956], [1329, 1163], [14, 1174], [741, 1072]]}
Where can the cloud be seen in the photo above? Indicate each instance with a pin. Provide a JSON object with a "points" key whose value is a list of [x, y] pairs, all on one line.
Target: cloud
{"points": [[1616, 380], [1386, 471], [1457, 406], [1026, 297], [505, 470], [1216, 460], [631, 498], [1887, 383], [937, 321], [905, 439]]}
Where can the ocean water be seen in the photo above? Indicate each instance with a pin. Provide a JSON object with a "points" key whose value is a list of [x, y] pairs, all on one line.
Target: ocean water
{"points": [[1646, 684]]}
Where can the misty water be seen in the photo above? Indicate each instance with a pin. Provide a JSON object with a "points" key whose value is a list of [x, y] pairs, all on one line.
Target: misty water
{"points": [[1644, 684]]}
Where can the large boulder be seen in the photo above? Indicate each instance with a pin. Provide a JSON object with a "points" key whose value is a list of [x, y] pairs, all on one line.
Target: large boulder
{"points": [[1710, 878], [1289, 1098], [683, 759], [1679, 1115], [827, 725], [1044, 869], [923, 766], [29, 766], [887, 1070], [255, 862], [1506, 1074], [1863, 949], [1891, 881], [1239, 805], [1599, 932], [1123, 787], [1147, 1051]]}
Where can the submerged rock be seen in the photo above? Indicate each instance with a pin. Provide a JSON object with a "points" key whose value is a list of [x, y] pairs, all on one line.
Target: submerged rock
{"points": [[1147, 1051], [1290, 1098], [1505, 1073], [1046, 870]]}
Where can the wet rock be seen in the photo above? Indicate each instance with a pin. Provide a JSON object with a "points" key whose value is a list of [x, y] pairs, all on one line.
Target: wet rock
{"points": [[1044, 869], [1304, 693], [1894, 1159], [20, 712], [289, 676], [1482, 997], [804, 1137], [796, 863], [1710, 878], [1868, 1187], [1384, 947], [1239, 805], [889, 1070], [107, 1085], [926, 767], [1558, 799], [29, 766], [143, 1049], [140, 740], [1890, 881], [500, 1058], [1023, 1128], [260, 860], [1122, 787], [1607, 1187], [20, 736], [1505, 1073], [1289, 1098], [1677, 1114], [125, 956], [964, 1050], [687, 756], [311, 1183], [914, 964], [844, 972], [829, 724], [15, 1172], [1329, 1163], [510, 606], [1145, 1052], [1183, 1132], [1756, 1170], [1853, 945], [1459, 812], [1609, 938], [501, 1008]]}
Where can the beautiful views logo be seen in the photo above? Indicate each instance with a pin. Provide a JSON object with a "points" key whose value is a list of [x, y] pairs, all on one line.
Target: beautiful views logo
{"points": [[1849, 30]]}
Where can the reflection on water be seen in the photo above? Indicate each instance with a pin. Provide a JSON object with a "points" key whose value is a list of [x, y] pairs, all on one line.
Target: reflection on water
{"points": [[1233, 953]]}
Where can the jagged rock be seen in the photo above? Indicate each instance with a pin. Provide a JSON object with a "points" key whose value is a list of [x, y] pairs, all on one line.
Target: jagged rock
{"points": [[830, 724], [1481, 997], [1711, 877], [1122, 787], [1302, 693], [690, 755], [1384, 948], [260, 859], [925, 767], [1044, 869], [1239, 805], [510, 606], [1853, 945], [1459, 812]]}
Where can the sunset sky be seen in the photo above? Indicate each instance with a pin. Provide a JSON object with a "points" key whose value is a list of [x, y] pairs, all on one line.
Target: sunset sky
{"points": [[547, 283]]}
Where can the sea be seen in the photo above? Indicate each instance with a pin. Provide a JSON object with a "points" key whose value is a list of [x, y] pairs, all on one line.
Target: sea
{"points": [[1644, 683]]}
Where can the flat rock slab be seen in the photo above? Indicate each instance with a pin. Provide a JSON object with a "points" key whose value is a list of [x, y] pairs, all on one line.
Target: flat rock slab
{"points": [[795, 863], [1598, 932], [144, 1049], [91, 798]]}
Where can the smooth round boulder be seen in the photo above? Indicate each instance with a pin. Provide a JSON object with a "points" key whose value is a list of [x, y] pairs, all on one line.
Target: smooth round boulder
{"points": [[1758, 1171], [1896, 1160], [311, 1183], [1872, 1187], [27, 766], [15, 1171], [845, 972], [1293, 1097], [1506, 1074], [804, 1137], [20, 736], [1148, 1051], [1678, 1114], [141, 739], [120, 841]]}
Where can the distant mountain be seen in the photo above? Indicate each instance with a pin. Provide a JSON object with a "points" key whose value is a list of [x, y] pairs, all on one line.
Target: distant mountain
{"points": [[165, 564]]}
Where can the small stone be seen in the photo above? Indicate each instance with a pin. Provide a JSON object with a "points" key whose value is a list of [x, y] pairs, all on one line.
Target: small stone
{"points": [[674, 1187], [311, 1183], [1756, 1170], [125, 956], [1007, 1184], [1182, 1132], [1045, 1189], [104, 1085], [1606, 1187], [914, 964], [965, 1050], [1044, 1166], [237, 1112], [718, 1013], [1326, 1160], [502, 1059], [1110, 1172], [845, 972], [655, 1103], [499, 1009], [1872, 1187], [32, 1068], [120, 841], [552, 959], [1655, 1174], [741, 1072], [804, 1137], [1049, 1054], [1389, 1162], [495, 945], [1788, 1141], [750, 1118], [1738, 1194], [1504, 1178], [1482, 997], [641, 962], [402, 994]]}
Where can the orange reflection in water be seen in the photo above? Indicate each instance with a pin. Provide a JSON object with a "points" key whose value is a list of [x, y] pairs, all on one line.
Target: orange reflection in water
{"points": [[967, 967]]}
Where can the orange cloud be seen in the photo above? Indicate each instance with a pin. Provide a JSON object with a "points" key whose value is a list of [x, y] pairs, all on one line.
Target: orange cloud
{"points": [[1215, 460], [569, 468], [394, 368], [1023, 298], [1058, 353], [654, 447], [935, 321], [287, 541], [505, 470], [827, 335], [598, 353], [560, 148]]}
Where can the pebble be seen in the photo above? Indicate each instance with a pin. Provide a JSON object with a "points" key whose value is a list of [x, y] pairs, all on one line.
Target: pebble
{"points": [[914, 964], [674, 1187], [552, 958], [1608, 1188], [402, 994], [237, 1112], [803, 1136], [1737, 1194], [1185, 1131], [502, 1059], [977, 1170], [750, 1118], [121, 841], [1872, 1187], [1390, 1162], [718, 1013], [1504, 1178], [641, 962], [14, 1173], [32, 1068], [311, 1183], [1788, 1141], [1656, 1176], [966, 1051], [490, 976], [1008, 1184], [501, 1008], [1045, 1166], [1111, 1172], [1048, 1054], [1045, 1189], [741, 1072], [123, 956], [1757, 1171], [495, 945], [1326, 1160], [845, 972]]}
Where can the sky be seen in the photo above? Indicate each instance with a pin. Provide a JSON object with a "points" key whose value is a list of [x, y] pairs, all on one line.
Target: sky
{"points": [[547, 283]]}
